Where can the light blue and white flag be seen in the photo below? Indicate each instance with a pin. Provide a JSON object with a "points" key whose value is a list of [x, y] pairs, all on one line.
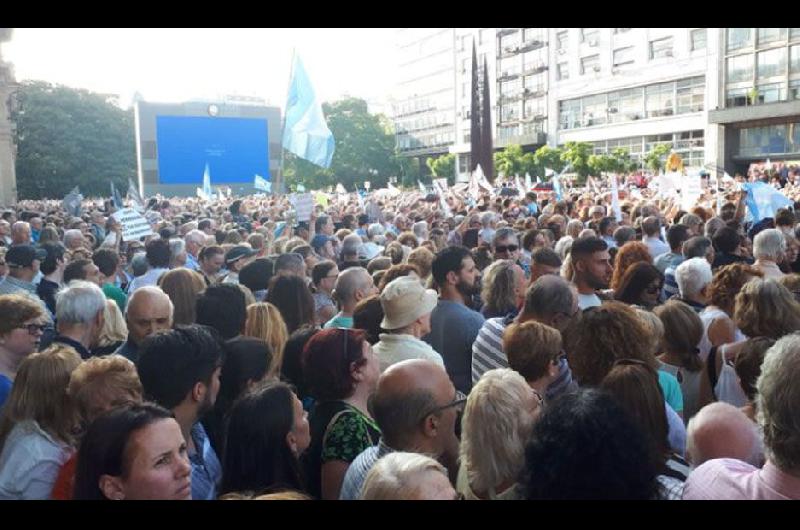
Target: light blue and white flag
{"points": [[207, 184], [763, 200], [615, 198], [305, 132], [557, 186], [528, 183], [421, 186], [260, 183]]}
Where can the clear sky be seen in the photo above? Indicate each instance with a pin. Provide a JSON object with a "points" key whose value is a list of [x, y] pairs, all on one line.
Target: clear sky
{"points": [[174, 65]]}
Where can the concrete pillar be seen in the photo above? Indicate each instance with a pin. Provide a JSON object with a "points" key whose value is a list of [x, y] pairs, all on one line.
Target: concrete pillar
{"points": [[8, 179]]}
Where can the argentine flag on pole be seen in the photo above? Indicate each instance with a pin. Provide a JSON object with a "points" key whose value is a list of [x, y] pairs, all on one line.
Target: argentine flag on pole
{"points": [[763, 200], [556, 186], [305, 132], [260, 183], [207, 183]]}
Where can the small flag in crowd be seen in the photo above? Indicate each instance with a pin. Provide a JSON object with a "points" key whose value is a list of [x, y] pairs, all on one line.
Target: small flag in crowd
{"points": [[260, 183]]}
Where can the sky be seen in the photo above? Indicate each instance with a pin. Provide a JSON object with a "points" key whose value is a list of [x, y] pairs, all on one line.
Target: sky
{"points": [[176, 65]]}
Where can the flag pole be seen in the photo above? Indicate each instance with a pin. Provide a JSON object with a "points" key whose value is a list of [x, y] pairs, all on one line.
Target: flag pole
{"points": [[279, 187]]}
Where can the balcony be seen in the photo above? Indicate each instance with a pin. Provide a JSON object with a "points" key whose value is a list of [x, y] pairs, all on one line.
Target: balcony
{"points": [[534, 68], [532, 138], [510, 73], [507, 98], [532, 44], [534, 92], [508, 51], [506, 31]]}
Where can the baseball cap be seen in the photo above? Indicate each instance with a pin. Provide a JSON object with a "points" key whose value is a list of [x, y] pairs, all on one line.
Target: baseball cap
{"points": [[19, 256], [404, 300], [239, 252]]}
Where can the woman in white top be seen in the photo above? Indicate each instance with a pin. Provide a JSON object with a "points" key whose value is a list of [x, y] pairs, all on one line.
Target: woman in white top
{"points": [[719, 329], [36, 431], [682, 332]]}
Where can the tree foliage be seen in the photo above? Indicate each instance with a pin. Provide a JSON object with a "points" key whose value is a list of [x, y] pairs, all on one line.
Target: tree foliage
{"points": [[443, 166], [69, 137], [656, 157], [549, 158], [577, 154], [365, 150]]}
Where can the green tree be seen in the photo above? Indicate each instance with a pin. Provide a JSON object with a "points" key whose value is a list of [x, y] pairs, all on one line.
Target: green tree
{"points": [[550, 158], [623, 161], [68, 137], [657, 157], [365, 149], [443, 166], [410, 170], [577, 154], [509, 161], [602, 164]]}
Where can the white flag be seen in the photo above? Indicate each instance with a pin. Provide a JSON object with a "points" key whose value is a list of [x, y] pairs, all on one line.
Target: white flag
{"points": [[615, 198]]}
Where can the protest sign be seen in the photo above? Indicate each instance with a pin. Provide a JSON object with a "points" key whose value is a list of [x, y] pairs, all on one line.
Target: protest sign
{"points": [[304, 204], [134, 225], [691, 190]]}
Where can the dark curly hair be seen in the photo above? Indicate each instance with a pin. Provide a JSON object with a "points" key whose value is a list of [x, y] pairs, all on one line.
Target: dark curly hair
{"points": [[727, 283], [585, 446], [636, 279], [630, 253]]}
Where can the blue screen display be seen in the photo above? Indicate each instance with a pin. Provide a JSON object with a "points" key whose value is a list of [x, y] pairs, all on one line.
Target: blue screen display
{"points": [[235, 149]]}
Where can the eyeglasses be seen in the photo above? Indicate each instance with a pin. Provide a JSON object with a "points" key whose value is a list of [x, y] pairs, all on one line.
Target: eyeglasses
{"points": [[500, 249], [33, 328], [458, 402]]}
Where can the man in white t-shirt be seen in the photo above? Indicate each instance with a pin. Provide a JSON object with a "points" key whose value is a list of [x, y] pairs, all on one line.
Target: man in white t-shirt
{"points": [[592, 267]]}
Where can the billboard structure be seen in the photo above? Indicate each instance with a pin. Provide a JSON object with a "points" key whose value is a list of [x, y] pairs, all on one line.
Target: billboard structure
{"points": [[175, 143]]}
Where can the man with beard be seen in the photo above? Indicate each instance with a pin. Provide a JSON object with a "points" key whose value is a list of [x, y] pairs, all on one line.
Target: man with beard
{"points": [[454, 325], [592, 267], [179, 370]]}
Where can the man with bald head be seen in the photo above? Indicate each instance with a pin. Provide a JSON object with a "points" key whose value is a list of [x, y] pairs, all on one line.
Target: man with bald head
{"points": [[720, 430], [352, 286], [416, 407], [21, 233], [552, 301], [149, 310]]}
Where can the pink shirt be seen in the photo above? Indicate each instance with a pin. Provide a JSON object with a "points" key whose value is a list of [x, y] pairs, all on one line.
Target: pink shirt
{"points": [[728, 479]]}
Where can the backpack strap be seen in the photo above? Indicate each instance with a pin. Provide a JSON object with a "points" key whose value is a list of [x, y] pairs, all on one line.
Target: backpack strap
{"points": [[711, 366]]}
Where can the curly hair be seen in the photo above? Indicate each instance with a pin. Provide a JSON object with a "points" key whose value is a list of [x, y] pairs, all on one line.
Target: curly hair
{"points": [[394, 250], [630, 253], [602, 335], [585, 446], [396, 271], [765, 308], [499, 288], [727, 283], [636, 279]]}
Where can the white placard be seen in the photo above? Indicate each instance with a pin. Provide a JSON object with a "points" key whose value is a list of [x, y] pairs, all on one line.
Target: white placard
{"points": [[304, 204], [134, 225], [442, 184], [691, 190], [367, 184]]}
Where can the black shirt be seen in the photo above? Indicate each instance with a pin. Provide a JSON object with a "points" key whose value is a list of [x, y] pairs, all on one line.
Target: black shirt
{"points": [[83, 352], [47, 292]]}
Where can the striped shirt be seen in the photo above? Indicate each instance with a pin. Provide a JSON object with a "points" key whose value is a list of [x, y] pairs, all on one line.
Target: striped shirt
{"points": [[357, 472], [488, 354], [670, 283]]}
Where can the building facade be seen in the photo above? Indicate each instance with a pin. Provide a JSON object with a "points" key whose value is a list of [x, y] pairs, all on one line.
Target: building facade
{"points": [[8, 179], [759, 94]]}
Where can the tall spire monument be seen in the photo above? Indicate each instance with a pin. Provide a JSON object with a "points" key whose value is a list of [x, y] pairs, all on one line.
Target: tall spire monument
{"points": [[8, 178]]}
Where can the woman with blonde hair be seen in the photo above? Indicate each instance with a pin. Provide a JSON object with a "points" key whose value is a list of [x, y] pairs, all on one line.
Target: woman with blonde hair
{"points": [[497, 423], [37, 425], [114, 331], [264, 321], [630, 253], [423, 259], [503, 290], [403, 476], [182, 286]]}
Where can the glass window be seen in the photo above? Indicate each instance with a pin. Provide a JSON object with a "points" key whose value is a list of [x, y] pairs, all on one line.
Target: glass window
{"points": [[739, 38], [595, 110], [758, 141], [509, 66], [740, 68], [531, 34], [483, 36], [772, 63], [659, 99], [569, 114], [794, 33], [623, 56], [768, 35], [661, 48], [590, 36], [533, 127], [698, 37], [510, 42], [690, 95], [562, 71], [590, 64], [771, 93], [794, 60], [534, 107], [463, 160], [509, 112], [508, 131], [794, 89], [533, 59], [621, 30], [626, 105], [533, 83], [561, 40], [510, 88]]}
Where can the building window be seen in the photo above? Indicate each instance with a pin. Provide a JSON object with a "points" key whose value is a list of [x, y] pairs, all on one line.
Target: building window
{"points": [[739, 38], [509, 43], [794, 60], [463, 159], [772, 63], [760, 141], [590, 64], [508, 131], [769, 35], [623, 56], [509, 112], [660, 48], [562, 71], [595, 110], [509, 66], [690, 95], [569, 114], [510, 89], [561, 40], [794, 89], [483, 36], [533, 127], [533, 83], [794, 33], [533, 107], [626, 105], [659, 100], [590, 36], [532, 34], [771, 93], [698, 38], [617, 31], [533, 60], [740, 68]]}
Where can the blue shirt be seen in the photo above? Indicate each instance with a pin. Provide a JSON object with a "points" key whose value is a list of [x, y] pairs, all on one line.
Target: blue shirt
{"points": [[191, 263], [5, 389], [206, 468], [454, 328], [357, 472], [339, 322]]}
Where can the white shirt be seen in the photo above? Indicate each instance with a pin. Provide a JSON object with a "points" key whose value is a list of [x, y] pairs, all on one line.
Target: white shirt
{"points": [[586, 301], [148, 278], [656, 246], [393, 348], [30, 462]]}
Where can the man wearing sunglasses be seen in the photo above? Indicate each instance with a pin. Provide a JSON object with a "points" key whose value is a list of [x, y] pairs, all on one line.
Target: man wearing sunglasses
{"points": [[417, 407], [505, 245]]}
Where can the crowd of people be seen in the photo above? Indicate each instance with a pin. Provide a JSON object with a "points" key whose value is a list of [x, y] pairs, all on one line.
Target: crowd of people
{"points": [[412, 346]]}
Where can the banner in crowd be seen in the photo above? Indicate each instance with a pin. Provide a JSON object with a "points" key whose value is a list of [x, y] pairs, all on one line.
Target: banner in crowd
{"points": [[72, 202], [260, 183], [303, 204], [763, 200], [691, 190], [615, 198], [134, 198], [134, 225]]}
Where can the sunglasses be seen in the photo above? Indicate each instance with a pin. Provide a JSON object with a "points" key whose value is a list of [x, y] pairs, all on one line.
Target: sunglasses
{"points": [[500, 249], [33, 328]]}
